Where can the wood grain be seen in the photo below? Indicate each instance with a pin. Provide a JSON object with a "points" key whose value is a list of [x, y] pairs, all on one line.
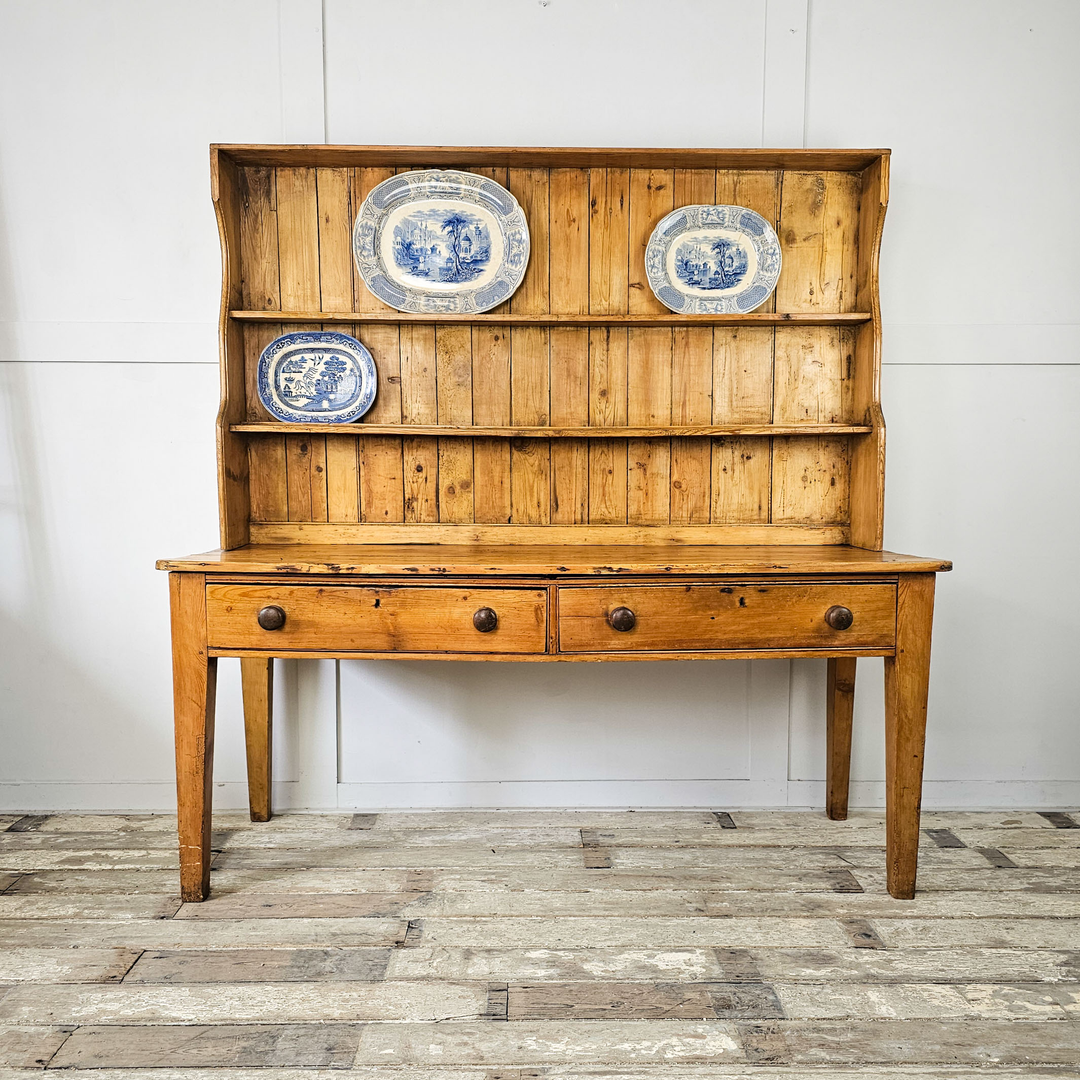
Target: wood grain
{"points": [[194, 686], [907, 683], [257, 682]]}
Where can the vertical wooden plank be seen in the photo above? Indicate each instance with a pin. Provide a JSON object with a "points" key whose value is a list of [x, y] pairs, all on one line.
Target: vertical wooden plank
{"points": [[335, 239], [819, 222], [453, 364], [317, 477], [648, 382], [530, 373], [261, 291], [530, 459], [336, 293], [380, 457], [298, 472], [530, 188], [692, 384], [754, 188], [569, 241], [569, 407], [381, 482], [298, 239], [740, 481], [266, 453], [609, 239], [266, 466], [259, 240], [362, 181], [810, 367], [491, 407], [298, 264], [569, 287], [609, 282], [419, 406], [607, 408], [742, 393], [649, 353], [810, 480], [342, 478], [652, 195]]}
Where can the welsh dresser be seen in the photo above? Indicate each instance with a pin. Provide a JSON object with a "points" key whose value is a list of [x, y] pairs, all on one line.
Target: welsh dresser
{"points": [[577, 475]]}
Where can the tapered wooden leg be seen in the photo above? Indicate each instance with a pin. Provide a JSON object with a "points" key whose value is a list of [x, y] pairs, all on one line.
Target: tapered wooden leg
{"points": [[257, 678], [840, 707], [907, 680], [194, 687]]}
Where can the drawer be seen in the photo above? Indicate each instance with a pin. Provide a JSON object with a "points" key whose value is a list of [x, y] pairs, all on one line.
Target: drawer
{"points": [[387, 618], [700, 618]]}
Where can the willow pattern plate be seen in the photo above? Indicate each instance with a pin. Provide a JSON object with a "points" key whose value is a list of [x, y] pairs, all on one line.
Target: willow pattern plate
{"points": [[321, 377], [713, 260], [437, 240]]}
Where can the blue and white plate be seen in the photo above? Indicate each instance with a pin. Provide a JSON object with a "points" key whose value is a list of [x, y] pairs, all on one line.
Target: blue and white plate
{"points": [[316, 376], [713, 260], [437, 240]]}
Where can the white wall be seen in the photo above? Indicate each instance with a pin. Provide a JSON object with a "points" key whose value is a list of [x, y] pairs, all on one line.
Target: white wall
{"points": [[108, 294]]}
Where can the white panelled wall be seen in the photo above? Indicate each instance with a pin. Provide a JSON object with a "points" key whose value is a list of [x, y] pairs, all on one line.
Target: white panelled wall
{"points": [[109, 282]]}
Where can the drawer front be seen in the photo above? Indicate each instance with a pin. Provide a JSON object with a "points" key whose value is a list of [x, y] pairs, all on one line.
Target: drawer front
{"points": [[377, 619], [702, 618]]}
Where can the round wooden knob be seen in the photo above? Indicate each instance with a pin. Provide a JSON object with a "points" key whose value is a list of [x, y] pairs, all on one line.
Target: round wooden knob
{"points": [[485, 620], [839, 618], [622, 619], [271, 618]]}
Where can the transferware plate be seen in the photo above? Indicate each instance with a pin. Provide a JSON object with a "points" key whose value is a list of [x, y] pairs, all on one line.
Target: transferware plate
{"points": [[322, 377], [713, 260], [438, 240]]}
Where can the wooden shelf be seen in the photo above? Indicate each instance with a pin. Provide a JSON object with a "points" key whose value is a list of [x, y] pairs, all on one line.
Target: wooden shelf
{"points": [[764, 318], [475, 431]]}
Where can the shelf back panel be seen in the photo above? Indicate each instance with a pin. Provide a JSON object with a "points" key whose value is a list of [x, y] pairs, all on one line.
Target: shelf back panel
{"points": [[589, 227]]}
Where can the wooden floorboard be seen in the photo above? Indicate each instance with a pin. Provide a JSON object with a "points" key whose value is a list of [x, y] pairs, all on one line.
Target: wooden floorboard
{"points": [[541, 945]]}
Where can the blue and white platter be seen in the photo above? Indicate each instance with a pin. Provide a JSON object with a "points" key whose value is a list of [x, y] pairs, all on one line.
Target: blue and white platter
{"points": [[438, 240], [316, 376], [713, 260]]}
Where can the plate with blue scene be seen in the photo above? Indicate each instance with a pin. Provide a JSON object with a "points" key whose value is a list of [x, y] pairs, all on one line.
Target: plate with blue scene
{"points": [[713, 260], [316, 376], [438, 240]]}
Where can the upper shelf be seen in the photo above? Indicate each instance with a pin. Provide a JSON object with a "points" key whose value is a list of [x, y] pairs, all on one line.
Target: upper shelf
{"points": [[470, 431], [763, 318]]}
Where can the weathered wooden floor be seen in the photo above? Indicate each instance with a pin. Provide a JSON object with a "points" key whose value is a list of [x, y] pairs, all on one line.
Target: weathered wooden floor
{"points": [[490, 945]]}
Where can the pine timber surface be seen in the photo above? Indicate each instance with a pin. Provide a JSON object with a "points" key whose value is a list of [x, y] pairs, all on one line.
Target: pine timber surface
{"points": [[636, 417], [474, 945], [729, 469], [553, 560]]}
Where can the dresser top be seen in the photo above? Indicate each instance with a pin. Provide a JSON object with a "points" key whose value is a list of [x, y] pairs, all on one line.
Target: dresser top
{"points": [[555, 560]]}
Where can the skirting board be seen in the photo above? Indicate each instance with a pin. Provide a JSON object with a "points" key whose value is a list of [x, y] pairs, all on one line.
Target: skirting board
{"points": [[160, 796]]}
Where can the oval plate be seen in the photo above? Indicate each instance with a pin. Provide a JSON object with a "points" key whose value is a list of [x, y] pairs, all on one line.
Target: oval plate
{"points": [[713, 260], [316, 376], [437, 240]]}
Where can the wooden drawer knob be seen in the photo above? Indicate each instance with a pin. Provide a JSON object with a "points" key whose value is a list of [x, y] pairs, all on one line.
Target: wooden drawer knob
{"points": [[485, 620], [839, 618], [271, 618], [622, 619]]}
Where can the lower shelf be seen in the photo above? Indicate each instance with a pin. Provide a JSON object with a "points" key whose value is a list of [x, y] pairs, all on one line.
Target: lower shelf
{"points": [[475, 431]]}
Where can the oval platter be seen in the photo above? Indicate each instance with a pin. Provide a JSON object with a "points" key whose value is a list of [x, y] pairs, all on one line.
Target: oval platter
{"points": [[438, 240], [316, 376], [713, 260]]}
